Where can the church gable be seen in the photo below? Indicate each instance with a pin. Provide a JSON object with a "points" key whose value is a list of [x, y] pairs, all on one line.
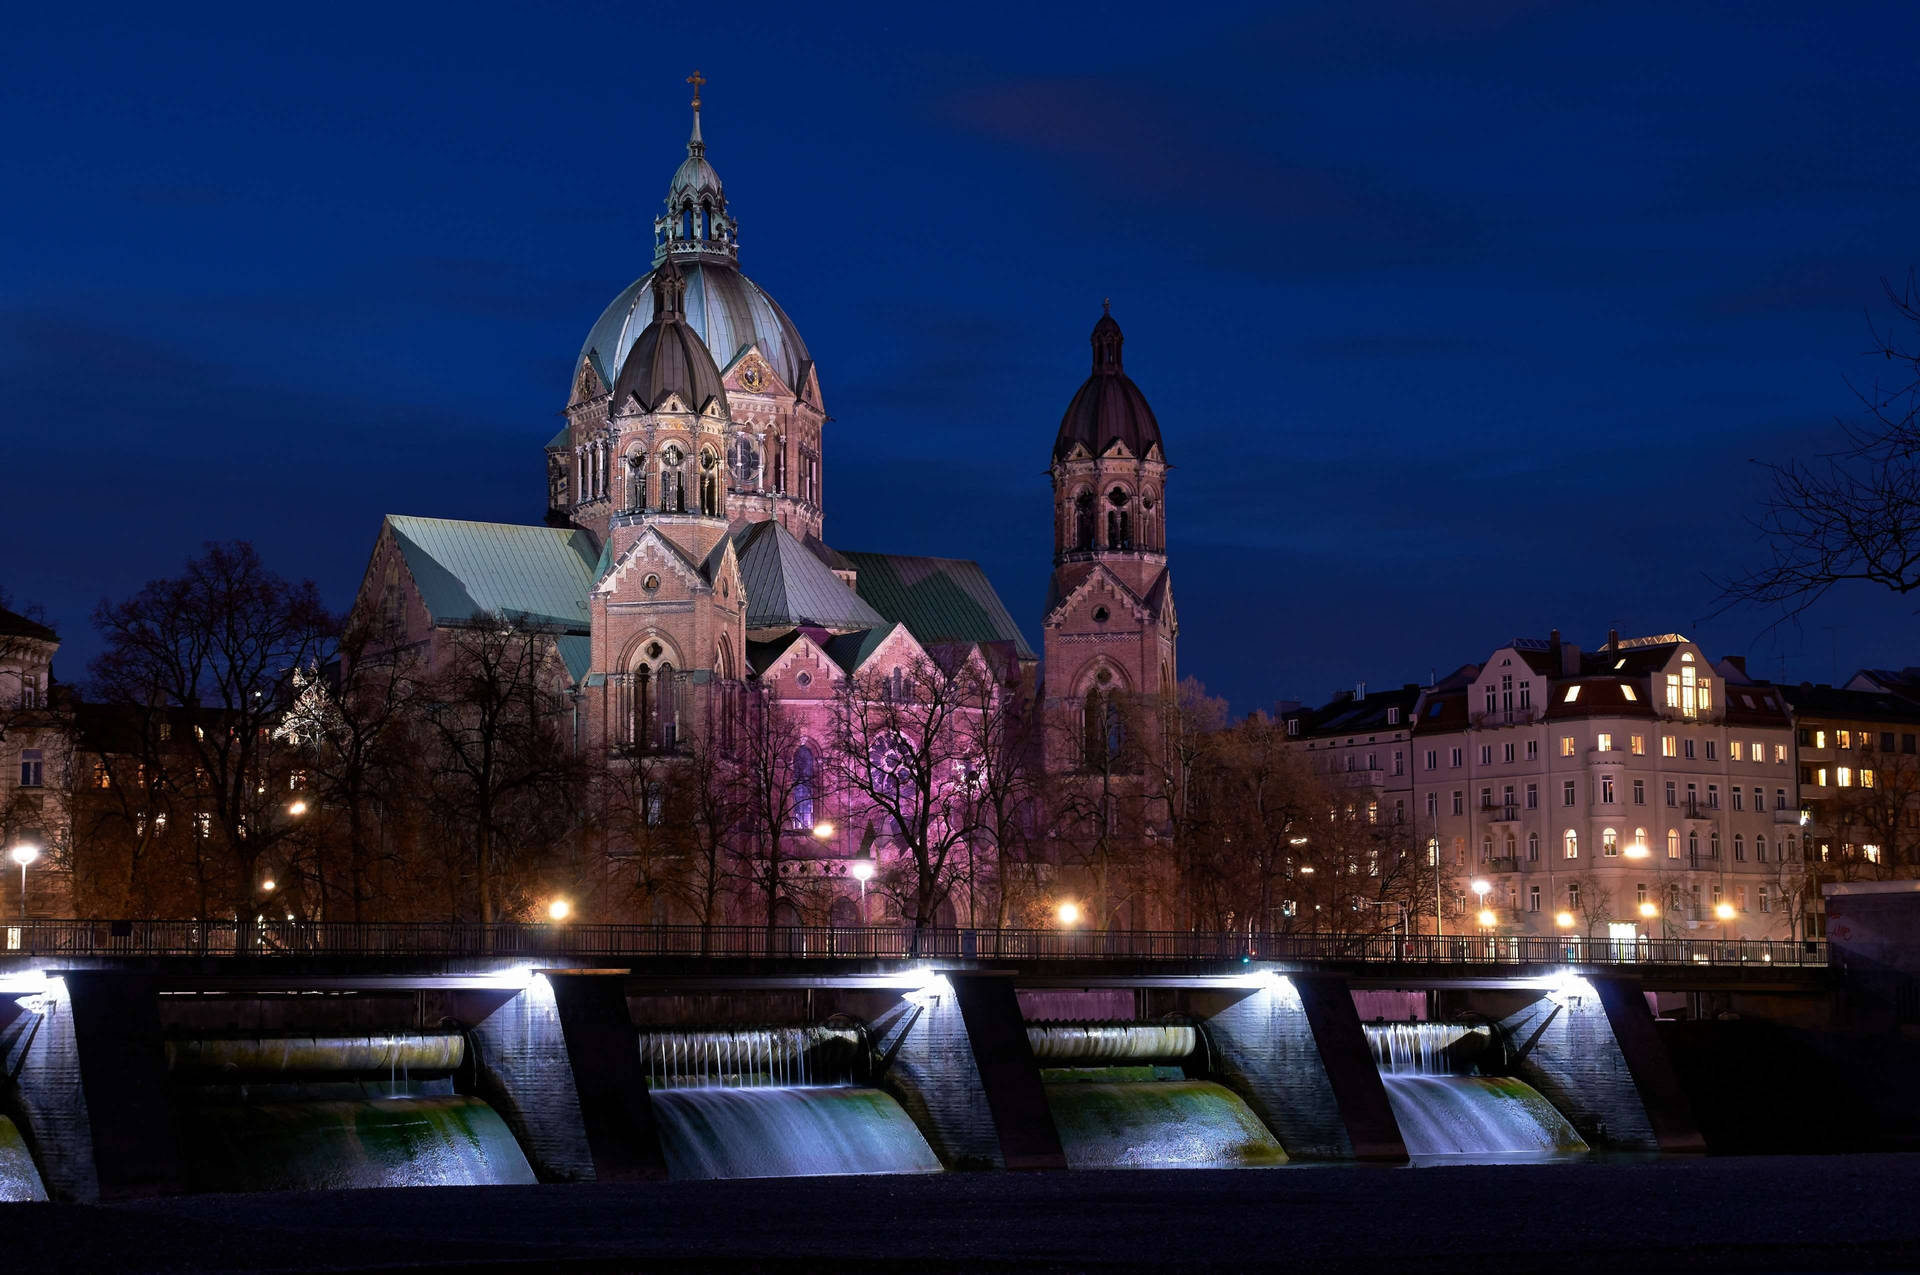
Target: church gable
{"points": [[653, 569], [1099, 590], [802, 671], [751, 372]]}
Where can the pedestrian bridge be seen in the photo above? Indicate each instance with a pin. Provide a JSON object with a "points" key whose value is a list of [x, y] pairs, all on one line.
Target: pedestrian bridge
{"points": [[808, 954]]}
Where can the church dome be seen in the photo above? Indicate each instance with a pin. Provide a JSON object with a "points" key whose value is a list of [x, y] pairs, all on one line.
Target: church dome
{"points": [[1109, 407], [728, 310], [668, 356]]}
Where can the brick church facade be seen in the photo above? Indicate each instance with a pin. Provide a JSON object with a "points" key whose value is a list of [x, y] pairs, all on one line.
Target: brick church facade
{"points": [[683, 569]]}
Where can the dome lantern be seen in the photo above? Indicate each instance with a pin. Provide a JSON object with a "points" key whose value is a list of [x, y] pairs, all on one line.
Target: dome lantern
{"points": [[1109, 407], [696, 225]]}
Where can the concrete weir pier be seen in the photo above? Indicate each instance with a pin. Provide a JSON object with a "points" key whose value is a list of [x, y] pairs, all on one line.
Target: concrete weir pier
{"points": [[156, 1075]]}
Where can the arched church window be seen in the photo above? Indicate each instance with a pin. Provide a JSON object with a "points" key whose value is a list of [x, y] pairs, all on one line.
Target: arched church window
{"points": [[1083, 520], [1119, 531], [803, 768], [686, 223], [673, 491], [637, 482], [667, 711], [640, 730], [709, 483]]}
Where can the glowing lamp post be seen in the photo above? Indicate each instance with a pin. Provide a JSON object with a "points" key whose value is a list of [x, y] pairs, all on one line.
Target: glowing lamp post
{"points": [[23, 854], [559, 910], [1068, 913], [862, 872], [296, 807], [1725, 912], [1638, 850], [823, 830], [1563, 919]]}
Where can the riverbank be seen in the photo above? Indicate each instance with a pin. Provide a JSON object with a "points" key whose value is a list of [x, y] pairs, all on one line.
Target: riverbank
{"points": [[1836, 1213]]}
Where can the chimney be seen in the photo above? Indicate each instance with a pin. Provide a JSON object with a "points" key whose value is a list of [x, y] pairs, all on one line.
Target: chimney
{"points": [[1737, 661], [1613, 641], [1359, 690], [1569, 659]]}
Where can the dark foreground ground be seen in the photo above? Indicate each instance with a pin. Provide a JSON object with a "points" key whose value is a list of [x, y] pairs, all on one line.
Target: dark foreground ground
{"points": [[1841, 1213]]}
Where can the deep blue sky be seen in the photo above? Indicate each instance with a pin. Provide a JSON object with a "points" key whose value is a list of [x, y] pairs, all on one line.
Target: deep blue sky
{"points": [[1462, 320]]}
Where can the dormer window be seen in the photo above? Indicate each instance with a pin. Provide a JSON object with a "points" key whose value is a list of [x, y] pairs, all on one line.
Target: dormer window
{"points": [[1393, 717]]}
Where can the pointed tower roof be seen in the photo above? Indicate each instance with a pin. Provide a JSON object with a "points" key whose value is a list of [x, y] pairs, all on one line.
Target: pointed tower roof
{"points": [[1109, 407], [668, 357], [788, 586]]}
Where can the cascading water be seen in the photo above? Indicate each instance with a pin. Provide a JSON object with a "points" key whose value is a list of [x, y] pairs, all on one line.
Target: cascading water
{"points": [[1146, 1114], [322, 1113], [1447, 1108], [19, 1180], [774, 1103]]}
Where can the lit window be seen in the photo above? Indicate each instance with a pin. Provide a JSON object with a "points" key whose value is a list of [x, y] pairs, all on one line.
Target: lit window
{"points": [[1637, 745], [1566, 745], [1628, 692], [1673, 843], [1820, 777], [1780, 754], [1669, 746], [1866, 777], [1609, 844], [1759, 751], [1843, 776], [1872, 853], [1572, 840], [1573, 693], [1603, 742], [1736, 751], [1843, 739], [1819, 739]]}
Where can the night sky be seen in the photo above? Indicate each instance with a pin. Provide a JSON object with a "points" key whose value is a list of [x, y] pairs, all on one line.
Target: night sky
{"points": [[1462, 320]]}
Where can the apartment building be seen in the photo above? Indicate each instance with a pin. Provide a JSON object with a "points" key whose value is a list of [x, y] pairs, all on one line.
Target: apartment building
{"points": [[1636, 790]]}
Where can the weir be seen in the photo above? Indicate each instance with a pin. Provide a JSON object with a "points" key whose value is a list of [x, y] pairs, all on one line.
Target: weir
{"points": [[1150, 1112], [1448, 1106], [775, 1102], [19, 1179], [327, 1112]]}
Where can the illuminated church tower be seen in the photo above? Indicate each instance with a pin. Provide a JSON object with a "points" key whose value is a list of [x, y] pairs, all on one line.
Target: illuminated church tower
{"points": [[1110, 627]]}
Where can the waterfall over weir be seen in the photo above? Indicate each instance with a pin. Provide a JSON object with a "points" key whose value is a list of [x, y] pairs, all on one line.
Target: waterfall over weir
{"points": [[773, 1103], [1144, 1113], [1446, 1109], [19, 1180], [328, 1112]]}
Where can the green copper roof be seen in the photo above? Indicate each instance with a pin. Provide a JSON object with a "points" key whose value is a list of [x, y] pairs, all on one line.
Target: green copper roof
{"points": [[788, 586], [468, 568], [938, 599], [850, 650], [558, 443], [577, 653]]}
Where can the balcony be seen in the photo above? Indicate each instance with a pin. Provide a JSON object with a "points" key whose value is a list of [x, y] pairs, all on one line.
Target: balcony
{"points": [[1506, 717], [1788, 816], [1505, 813]]}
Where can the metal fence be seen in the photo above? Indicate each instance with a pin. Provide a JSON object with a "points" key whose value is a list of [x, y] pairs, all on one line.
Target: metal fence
{"points": [[639, 942]]}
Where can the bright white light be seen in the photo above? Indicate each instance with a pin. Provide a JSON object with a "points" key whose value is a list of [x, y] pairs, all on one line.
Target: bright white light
{"points": [[1649, 910], [1724, 911], [862, 869], [1068, 912], [933, 985], [1482, 887], [297, 808], [1487, 918], [823, 829], [1269, 981], [1563, 919], [24, 853], [559, 909], [1297, 841], [268, 885], [1636, 851], [1569, 988]]}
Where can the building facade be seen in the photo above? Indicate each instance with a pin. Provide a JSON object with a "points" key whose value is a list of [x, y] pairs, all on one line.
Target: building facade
{"points": [[36, 740], [683, 571]]}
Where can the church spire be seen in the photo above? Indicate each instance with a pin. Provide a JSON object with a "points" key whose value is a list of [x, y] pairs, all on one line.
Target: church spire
{"points": [[1107, 340], [696, 225]]}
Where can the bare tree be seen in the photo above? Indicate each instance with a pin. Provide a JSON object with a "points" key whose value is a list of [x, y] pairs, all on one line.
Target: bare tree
{"points": [[494, 708], [903, 750], [779, 784], [1854, 513], [1000, 736], [219, 642], [1191, 724]]}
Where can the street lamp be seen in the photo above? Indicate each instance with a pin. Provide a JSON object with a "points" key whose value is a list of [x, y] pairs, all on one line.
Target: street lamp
{"points": [[23, 854], [559, 910], [1563, 919], [863, 872], [267, 885], [1487, 918], [1649, 910], [1638, 850], [296, 808], [823, 829], [1068, 912], [1725, 912], [1482, 887]]}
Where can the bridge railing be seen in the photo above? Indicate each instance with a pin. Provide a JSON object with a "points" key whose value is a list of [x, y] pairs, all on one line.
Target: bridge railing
{"points": [[622, 942]]}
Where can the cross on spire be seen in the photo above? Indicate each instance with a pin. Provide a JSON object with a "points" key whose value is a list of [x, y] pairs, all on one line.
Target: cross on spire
{"points": [[696, 79]]}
